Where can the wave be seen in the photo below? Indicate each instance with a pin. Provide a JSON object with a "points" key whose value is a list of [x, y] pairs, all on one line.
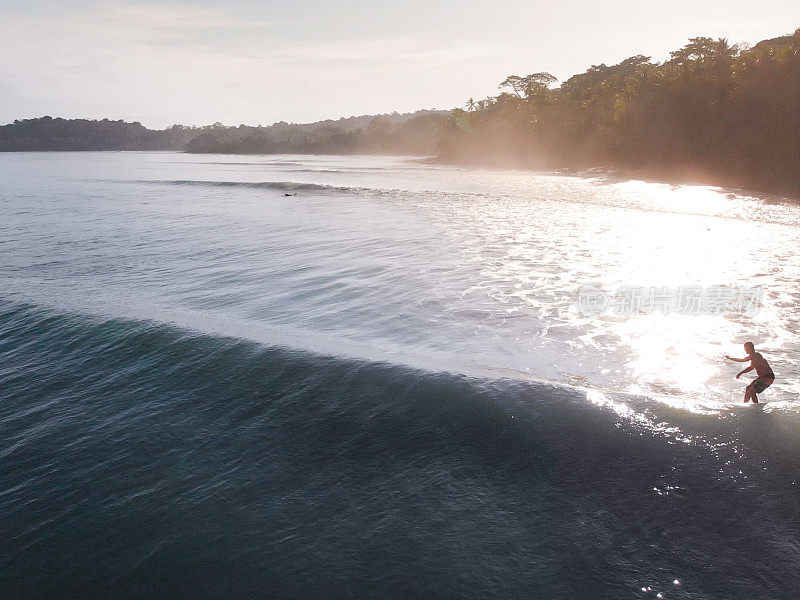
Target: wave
{"points": [[137, 443], [252, 163], [284, 186], [751, 213], [294, 186], [134, 346]]}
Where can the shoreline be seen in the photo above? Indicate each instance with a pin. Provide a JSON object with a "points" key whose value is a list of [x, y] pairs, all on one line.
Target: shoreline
{"points": [[673, 177]]}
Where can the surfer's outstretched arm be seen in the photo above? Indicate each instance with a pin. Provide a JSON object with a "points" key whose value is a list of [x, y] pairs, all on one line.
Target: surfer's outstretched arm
{"points": [[745, 359], [750, 368]]}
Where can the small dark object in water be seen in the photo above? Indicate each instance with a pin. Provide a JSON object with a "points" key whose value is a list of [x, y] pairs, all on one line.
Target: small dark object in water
{"points": [[288, 194]]}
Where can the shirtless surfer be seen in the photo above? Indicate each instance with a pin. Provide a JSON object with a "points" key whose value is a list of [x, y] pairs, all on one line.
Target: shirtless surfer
{"points": [[760, 364]]}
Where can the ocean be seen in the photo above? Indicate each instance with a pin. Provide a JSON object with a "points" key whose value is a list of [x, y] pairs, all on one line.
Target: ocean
{"points": [[371, 377]]}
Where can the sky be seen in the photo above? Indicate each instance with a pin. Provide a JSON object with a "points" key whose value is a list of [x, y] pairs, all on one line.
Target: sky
{"points": [[197, 62]]}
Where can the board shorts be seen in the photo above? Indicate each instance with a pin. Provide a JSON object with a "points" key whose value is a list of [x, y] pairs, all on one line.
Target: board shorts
{"points": [[762, 383]]}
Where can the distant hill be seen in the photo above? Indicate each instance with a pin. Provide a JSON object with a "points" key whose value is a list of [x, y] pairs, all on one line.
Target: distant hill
{"points": [[351, 124], [409, 133], [47, 133], [393, 132]]}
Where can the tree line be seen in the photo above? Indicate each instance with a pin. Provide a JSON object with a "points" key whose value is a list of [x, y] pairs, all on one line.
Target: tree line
{"points": [[411, 133], [393, 133], [714, 111], [49, 134]]}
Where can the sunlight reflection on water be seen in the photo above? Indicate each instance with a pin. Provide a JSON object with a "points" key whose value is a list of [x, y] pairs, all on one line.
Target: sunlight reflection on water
{"points": [[469, 268]]}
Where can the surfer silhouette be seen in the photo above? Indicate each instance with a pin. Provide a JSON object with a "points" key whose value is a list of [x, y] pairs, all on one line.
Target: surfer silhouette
{"points": [[760, 364]]}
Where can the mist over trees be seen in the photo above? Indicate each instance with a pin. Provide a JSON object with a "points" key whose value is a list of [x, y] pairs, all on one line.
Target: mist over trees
{"points": [[713, 112], [410, 133]]}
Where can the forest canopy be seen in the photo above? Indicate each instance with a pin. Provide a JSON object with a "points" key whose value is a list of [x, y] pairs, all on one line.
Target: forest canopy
{"points": [[47, 133], [714, 111], [410, 133]]}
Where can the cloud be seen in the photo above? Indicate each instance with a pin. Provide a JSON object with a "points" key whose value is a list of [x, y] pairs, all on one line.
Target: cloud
{"points": [[124, 22], [199, 65]]}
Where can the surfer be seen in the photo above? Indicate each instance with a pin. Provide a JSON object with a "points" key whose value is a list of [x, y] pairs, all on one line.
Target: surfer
{"points": [[760, 364]]}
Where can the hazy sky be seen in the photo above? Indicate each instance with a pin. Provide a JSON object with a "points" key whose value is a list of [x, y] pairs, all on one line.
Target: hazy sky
{"points": [[200, 61]]}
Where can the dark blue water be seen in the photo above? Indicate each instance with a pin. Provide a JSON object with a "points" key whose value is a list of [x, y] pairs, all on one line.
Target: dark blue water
{"points": [[141, 460], [216, 396]]}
